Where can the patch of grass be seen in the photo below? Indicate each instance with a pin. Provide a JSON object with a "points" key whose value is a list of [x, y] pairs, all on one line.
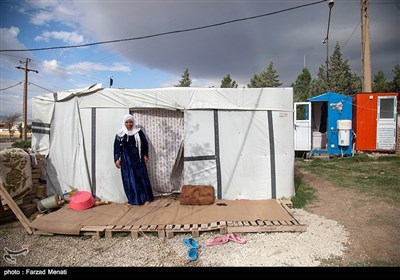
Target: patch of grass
{"points": [[375, 177], [303, 193]]}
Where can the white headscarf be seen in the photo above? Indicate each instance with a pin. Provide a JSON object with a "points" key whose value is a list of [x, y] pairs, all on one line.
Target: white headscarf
{"points": [[134, 131]]}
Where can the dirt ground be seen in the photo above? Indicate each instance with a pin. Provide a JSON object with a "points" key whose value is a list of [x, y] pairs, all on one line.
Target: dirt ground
{"points": [[373, 225]]}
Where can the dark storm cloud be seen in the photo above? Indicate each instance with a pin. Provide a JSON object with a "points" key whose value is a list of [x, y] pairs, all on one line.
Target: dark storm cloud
{"points": [[290, 39]]}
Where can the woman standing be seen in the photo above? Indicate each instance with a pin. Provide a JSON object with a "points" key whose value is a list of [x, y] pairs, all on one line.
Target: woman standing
{"points": [[131, 155]]}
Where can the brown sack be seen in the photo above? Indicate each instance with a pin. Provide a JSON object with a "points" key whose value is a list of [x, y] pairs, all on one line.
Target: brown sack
{"points": [[197, 195]]}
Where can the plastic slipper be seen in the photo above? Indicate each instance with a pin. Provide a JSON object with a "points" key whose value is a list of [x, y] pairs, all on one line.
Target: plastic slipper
{"points": [[235, 238], [220, 239], [192, 254], [191, 242]]}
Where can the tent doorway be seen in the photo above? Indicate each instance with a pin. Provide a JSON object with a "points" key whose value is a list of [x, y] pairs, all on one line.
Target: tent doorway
{"points": [[165, 131]]}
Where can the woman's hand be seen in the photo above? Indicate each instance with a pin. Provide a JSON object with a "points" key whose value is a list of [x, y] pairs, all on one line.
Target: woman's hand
{"points": [[118, 163], [146, 159]]}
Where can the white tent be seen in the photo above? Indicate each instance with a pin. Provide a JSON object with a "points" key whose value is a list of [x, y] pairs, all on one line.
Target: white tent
{"points": [[238, 140]]}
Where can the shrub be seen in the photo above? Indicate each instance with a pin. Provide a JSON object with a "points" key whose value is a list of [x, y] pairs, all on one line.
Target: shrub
{"points": [[23, 144]]}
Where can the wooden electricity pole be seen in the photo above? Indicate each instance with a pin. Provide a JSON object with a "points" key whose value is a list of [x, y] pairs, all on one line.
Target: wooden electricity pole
{"points": [[24, 102], [365, 49]]}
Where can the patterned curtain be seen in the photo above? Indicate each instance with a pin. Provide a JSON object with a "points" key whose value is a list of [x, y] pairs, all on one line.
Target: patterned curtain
{"points": [[164, 132]]}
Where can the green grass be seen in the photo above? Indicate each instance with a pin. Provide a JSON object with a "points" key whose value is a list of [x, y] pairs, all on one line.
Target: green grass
{"points": [[375, 177], [303, 193]]}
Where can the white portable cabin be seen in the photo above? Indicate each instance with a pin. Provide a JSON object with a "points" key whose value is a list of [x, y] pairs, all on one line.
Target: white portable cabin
{"points": [[238, 140]]}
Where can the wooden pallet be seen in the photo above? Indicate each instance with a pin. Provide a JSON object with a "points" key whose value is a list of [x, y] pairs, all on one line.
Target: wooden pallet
{"points": [[265, 226], [169, 231], [161, 230], [223, 227]]}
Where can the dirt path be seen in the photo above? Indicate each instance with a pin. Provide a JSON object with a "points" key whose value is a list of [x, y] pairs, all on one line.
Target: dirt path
{"points": [[374, 225]]}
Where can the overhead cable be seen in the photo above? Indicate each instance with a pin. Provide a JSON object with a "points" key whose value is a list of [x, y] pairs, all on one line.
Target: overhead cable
{"points": [[165, 33]]}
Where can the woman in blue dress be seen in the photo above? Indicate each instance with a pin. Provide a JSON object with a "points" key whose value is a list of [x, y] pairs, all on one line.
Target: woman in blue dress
{"points": [[131, 153]]}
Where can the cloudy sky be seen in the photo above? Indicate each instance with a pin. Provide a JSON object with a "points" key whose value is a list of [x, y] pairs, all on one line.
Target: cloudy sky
{"points": [[280, 31]]}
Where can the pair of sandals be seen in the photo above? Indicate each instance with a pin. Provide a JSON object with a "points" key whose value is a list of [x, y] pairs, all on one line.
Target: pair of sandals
{"points": [[222, 239], [193, 246]]}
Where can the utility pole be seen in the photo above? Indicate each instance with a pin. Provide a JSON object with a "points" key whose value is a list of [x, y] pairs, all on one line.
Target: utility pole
{"points": [[24, 102], [326, 41], [365, 48]]}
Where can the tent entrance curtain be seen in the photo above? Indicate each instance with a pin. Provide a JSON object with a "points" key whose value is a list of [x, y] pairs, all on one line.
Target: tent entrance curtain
{"points": [[165, 131]]}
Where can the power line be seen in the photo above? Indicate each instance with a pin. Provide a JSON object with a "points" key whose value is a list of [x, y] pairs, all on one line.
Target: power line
{"points": [[168, 32], [42, 87], [10, 86], [351, 35]]}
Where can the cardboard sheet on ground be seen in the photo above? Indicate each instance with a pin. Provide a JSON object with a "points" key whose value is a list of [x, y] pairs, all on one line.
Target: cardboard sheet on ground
{"points": [[160, 212]]}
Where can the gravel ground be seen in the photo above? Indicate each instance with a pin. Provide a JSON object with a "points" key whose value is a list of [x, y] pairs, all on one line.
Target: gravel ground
{"points": [[324, 239]]}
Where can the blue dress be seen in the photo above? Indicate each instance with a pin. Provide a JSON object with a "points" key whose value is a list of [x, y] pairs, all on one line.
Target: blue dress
{"points": [[133, 168]]}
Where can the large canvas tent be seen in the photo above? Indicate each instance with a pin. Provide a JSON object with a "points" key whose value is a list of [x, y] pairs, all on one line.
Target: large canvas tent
{"points": [[238, 140]]}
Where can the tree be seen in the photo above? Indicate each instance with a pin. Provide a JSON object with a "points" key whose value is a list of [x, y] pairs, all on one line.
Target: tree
{"points": [[301, 87], [185, 81], [227, 82], [319, 85], [340, 78], [395, 84], [356, 83], [267, 78], [10, 120], [28, 129], [380, 84]]}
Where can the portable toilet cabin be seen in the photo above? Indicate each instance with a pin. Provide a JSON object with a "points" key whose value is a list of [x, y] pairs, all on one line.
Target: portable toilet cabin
{"points": [[375, 119], [324, 125]]}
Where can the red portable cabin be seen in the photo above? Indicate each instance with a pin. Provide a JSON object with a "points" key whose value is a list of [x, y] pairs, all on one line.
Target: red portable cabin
{"points": [[375, 121]]}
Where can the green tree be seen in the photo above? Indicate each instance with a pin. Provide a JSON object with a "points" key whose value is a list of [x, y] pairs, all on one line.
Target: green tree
{"points": [[185, 81], [339, 79], [395, 84], [380, 83], [28, 129], [319, 85], [10, 121], [267, 78], [227, 82], [301, 87], [356, 83]]}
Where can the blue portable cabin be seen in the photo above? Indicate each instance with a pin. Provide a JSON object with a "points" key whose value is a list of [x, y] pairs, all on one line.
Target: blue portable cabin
{"points": [[331, 124]]}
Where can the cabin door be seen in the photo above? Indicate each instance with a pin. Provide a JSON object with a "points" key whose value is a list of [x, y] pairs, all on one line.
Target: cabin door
{"points": [[302, 126], [386, 123]]}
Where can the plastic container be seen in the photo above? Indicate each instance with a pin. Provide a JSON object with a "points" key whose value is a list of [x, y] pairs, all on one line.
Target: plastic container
{"points": [[82, 200], [49, 203], [344, 127]]}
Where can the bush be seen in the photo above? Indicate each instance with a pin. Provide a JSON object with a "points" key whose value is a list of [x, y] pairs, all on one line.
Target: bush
{"points": [[23, 144]]}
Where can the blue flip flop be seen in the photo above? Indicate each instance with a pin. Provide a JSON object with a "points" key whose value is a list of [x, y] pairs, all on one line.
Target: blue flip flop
{"points": [[192, 254], [191, 242]]}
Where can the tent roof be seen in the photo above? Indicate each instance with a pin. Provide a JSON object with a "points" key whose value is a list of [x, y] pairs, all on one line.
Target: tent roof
{"points": [[328, 96], [278, 99]]}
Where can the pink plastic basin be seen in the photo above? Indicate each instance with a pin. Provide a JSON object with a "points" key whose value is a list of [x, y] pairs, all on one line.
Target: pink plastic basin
{"points": [[82, 200]]}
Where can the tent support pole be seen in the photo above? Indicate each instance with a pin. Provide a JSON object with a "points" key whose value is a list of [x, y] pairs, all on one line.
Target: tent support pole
{"points": [[272, 153], [93, 187], [217, 157]]}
